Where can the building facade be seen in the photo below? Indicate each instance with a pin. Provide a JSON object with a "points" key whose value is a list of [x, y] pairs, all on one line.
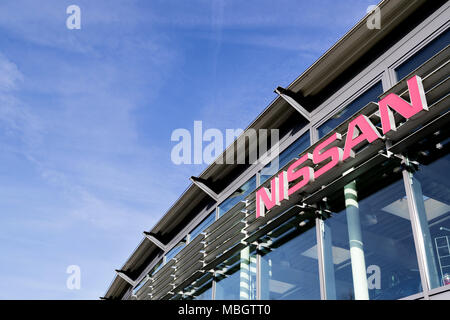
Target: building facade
{"points": [[358, 204]]}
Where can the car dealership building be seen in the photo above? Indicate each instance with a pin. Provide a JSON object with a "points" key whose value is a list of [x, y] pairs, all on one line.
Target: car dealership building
{"points": [[358, 205]]}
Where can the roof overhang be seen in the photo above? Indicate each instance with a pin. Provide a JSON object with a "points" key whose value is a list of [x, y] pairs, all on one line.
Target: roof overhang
{"points": [[353, 45]]}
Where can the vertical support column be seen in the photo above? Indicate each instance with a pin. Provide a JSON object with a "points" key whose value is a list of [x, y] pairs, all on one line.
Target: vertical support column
{"points": [[244, 284], [265, 267], [213, 287], [322, 275], [253, 271], [327, 261], [356, 243], [421, 231], [258, 273]]}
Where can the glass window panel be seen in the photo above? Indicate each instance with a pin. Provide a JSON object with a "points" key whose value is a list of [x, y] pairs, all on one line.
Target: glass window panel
{"points": [[289, 265], [203, 225], [287, 155], [174, 251], [200, 289], [370, 95], [423, 55], [236, 277], [140, 285], [156, 267], [237, 196], [432, 192], [369, 250]]}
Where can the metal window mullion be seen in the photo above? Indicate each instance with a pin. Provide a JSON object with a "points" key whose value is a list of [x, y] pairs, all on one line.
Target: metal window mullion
{"points": [[258, 178], [419, 241], [213, 287], [313, 134], [258, 274], [320, 260]]}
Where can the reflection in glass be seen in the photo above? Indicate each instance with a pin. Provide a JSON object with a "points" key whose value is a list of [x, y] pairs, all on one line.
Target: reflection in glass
{"points": [[236, 277], [431, 185], [174, 251], [423, 55], [289, 266], [200, 289], [237, 196], [203, 225], [369, 250], [140, 285], [287, 155], [370, 95], [156, 268]]}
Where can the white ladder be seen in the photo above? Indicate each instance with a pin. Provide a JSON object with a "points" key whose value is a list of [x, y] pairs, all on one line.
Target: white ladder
{"points": [[443, 252]]}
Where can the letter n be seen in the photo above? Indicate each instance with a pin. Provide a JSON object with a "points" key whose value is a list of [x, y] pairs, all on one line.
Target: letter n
{"points": [[407, 110], [266, 199]]}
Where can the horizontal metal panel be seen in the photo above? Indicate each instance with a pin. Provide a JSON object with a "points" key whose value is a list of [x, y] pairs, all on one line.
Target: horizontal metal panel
{"points": [[224, 228], [201, 281], [272, 224], [193, 255], [227, 254], [222, 249], [162, 292], [159, 287], [433, 63], [179, 287], [144, 293], [434, 110], [167, 268], [197, 260], [339, 183], [145, 288], [231, 214], [188, 272], [438, 123], [167, 296], [225, 236], [437, 75], [190, 252]]}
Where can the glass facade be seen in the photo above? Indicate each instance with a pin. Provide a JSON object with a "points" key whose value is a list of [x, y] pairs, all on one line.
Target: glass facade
{"points": [[368, 241], [287, 155], [237, 196], [202, 225], [157, 266], [371, 95], [431, 188], [423, 55], [174, 251], [289, 268], [382, 234], [236, 277], [199, 290]]}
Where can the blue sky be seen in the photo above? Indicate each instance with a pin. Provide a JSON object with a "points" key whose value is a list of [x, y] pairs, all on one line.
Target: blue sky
{"points": [[86, 117]]}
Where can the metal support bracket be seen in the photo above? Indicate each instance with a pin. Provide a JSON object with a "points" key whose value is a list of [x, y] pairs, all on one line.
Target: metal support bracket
{"points": [[152, 238], [282, 93], [201, 184], [122, 274]]}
